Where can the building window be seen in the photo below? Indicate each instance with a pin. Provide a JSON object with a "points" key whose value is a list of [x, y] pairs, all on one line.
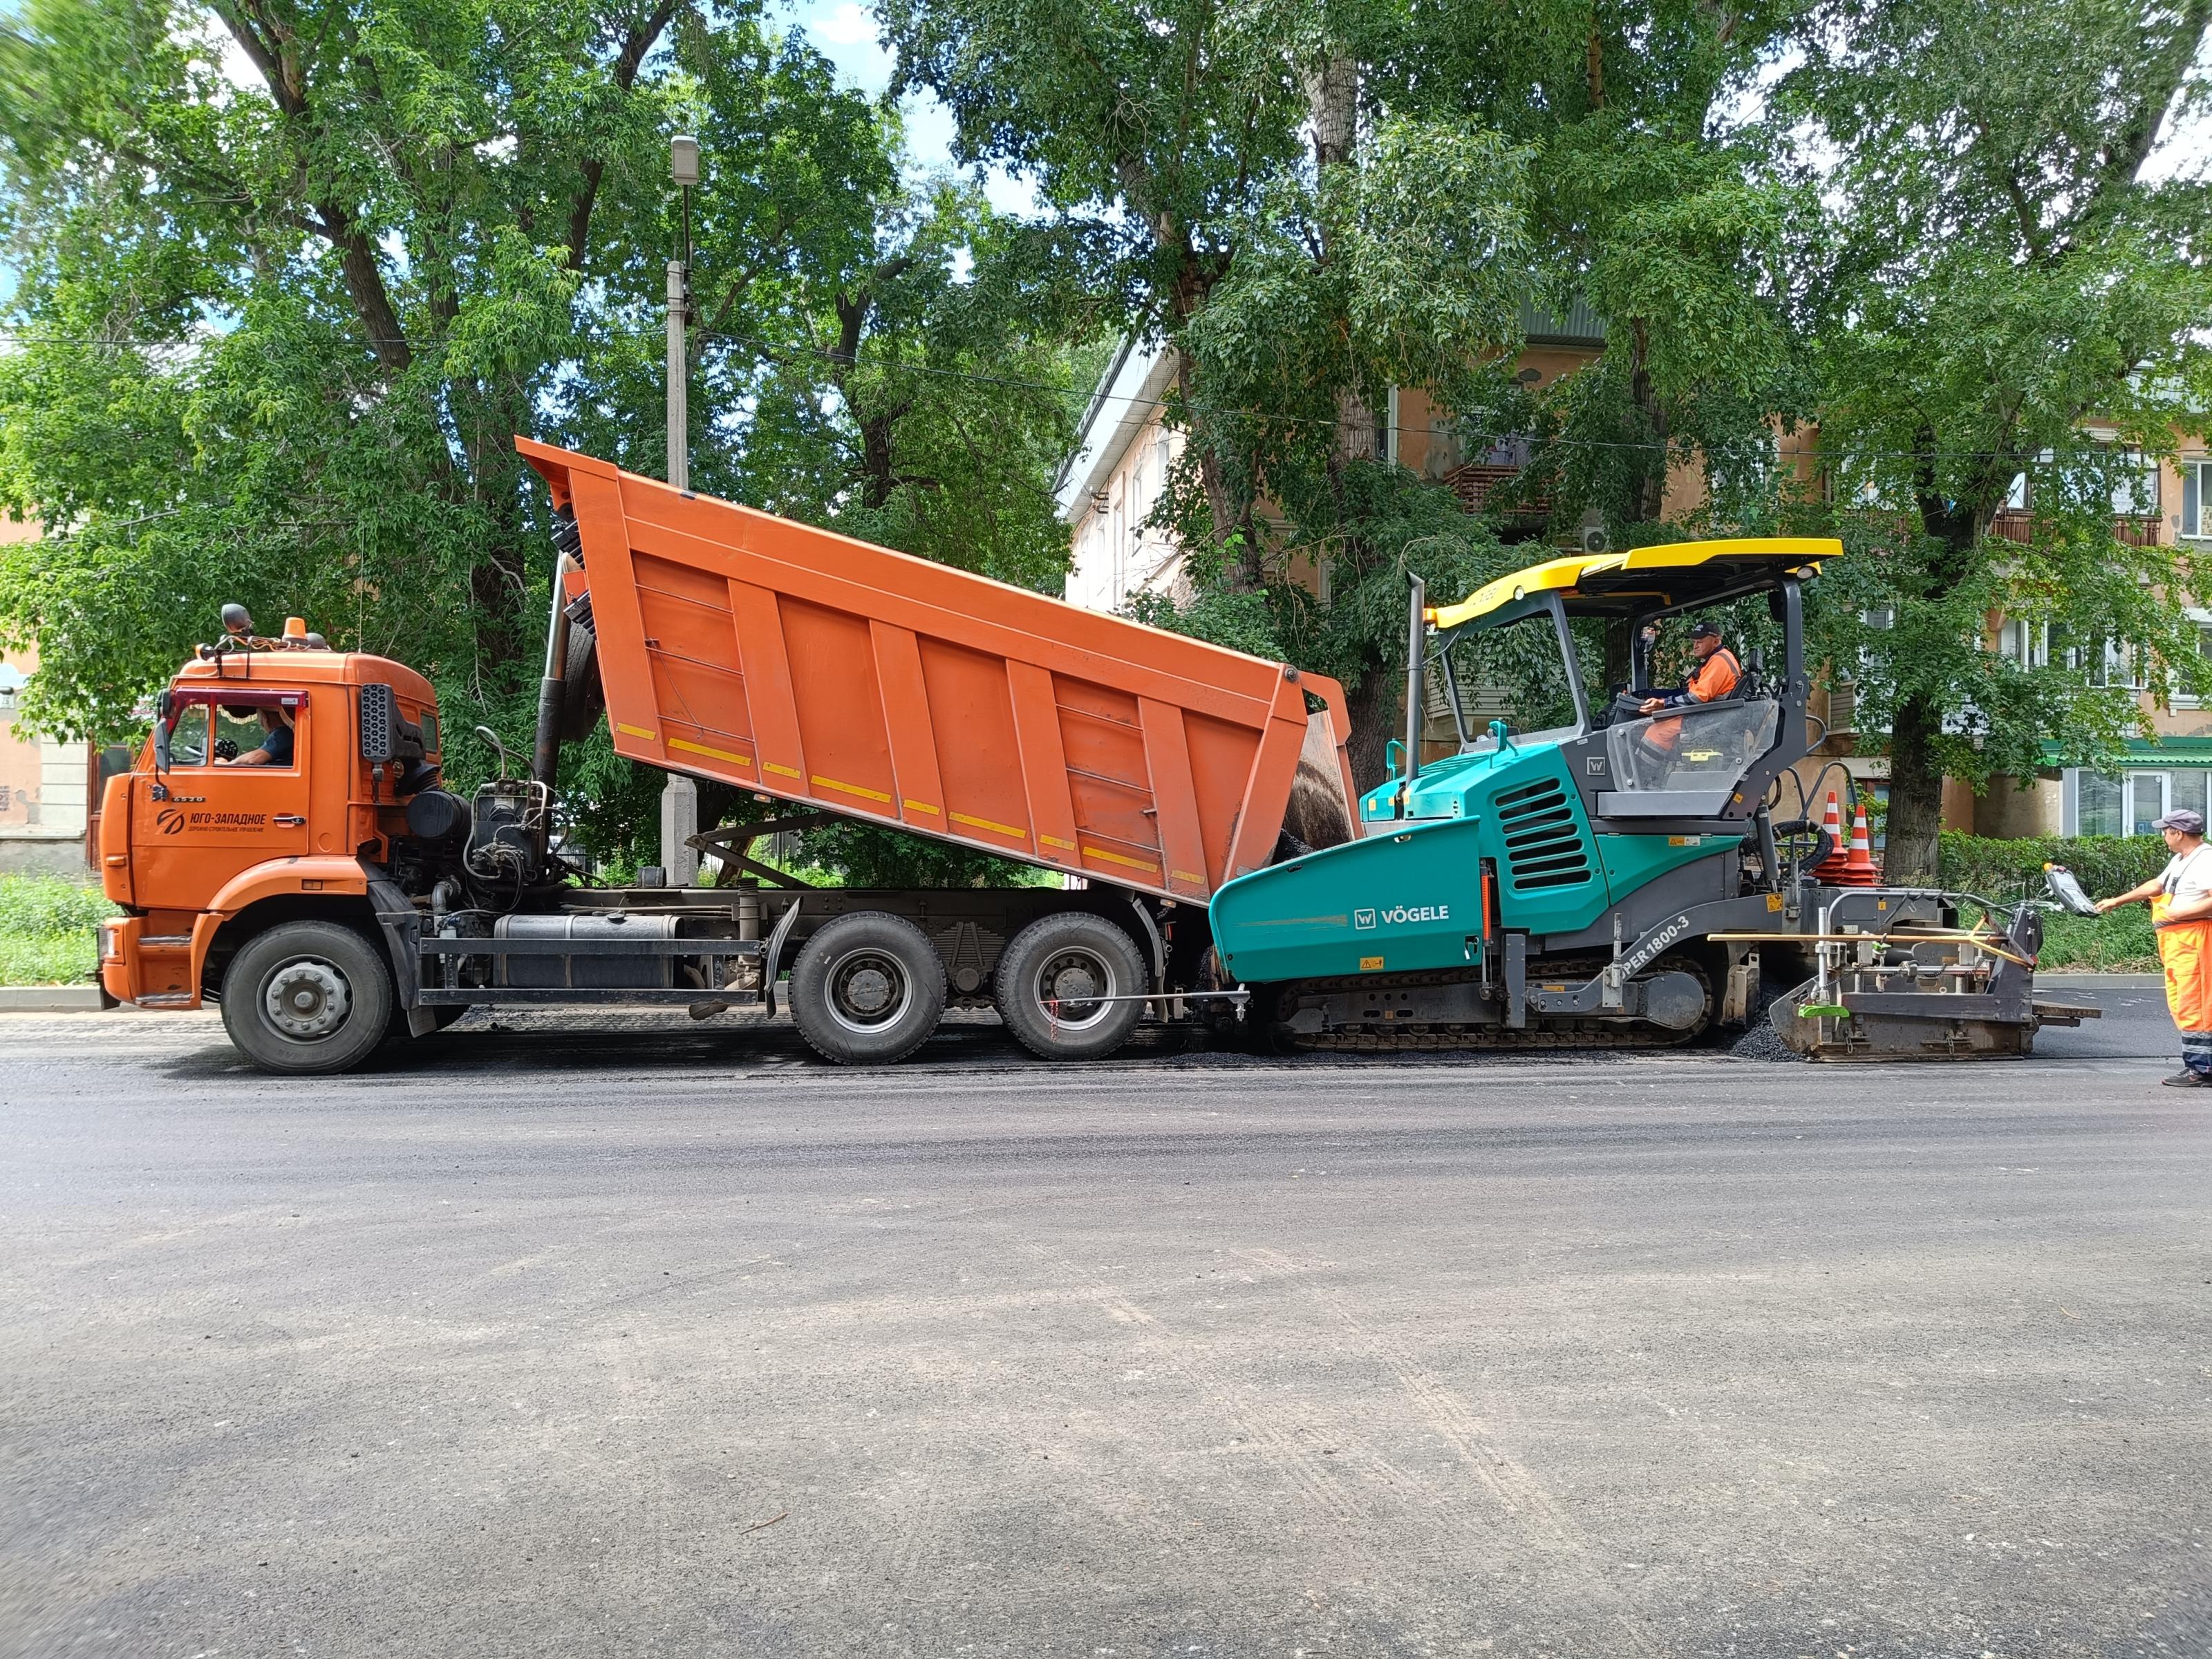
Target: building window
{"points": [[2134, 487], [2128, 804], [2099, 811], [2026, 643], [2110, 662], [2196, 508]]}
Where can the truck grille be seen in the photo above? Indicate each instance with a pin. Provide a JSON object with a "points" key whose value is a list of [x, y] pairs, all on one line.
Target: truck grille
{"points": [[1545, 847]]}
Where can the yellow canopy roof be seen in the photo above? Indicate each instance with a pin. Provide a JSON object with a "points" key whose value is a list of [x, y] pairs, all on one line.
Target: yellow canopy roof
{"points": [[1640, 578]]}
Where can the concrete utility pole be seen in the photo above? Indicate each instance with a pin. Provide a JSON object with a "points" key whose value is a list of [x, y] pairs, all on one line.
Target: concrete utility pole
{"points": [[680, 800]]}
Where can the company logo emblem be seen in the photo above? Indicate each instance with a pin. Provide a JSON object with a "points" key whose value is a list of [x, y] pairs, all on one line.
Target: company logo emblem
{"points": [[170, 821], [1595, 764], [1398, 914]]}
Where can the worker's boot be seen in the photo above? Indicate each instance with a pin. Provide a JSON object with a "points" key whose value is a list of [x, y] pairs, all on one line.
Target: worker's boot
{"points": [[2186, 1079]]}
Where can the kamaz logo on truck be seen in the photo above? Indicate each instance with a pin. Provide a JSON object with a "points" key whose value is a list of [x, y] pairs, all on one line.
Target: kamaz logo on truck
{"points": [[1398, 914]]}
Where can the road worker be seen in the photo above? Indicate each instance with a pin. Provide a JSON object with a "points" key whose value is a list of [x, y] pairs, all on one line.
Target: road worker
{"points": [[1717, 675], [2180, 898]]}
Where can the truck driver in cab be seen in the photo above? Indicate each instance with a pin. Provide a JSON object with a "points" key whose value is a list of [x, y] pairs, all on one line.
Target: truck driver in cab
{"points": [[276, 748]]}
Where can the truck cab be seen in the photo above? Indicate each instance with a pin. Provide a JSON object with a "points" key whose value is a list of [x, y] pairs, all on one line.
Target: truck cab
{"points": [[271, 793]]}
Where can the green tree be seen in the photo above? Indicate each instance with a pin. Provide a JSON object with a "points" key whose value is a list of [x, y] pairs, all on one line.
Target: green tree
{"points": [[2012, 294], [276, 337], [1656, 205], [274, 334], [1210, 172]]}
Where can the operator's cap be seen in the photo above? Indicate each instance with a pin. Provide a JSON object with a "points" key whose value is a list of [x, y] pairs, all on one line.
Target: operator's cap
{"points": [[2187, 819], [1705, 630]]}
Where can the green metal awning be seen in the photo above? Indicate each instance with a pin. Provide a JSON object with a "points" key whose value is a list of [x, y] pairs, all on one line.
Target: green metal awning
{"points": [[2148, 754]]}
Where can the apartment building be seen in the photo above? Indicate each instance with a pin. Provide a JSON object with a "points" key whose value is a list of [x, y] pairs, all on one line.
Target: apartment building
{"points": [[42, 781], [1124, 451], [2159, 503]]}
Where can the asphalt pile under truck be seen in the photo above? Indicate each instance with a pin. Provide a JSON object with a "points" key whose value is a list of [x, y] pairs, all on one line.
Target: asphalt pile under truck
{"points": [[1620, 881]]}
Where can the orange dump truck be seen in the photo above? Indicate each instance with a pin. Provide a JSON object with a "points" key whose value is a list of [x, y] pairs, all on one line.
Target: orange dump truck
{"points": [[284, 844]]}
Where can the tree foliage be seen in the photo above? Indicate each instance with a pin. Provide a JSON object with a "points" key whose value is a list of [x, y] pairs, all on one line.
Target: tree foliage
{"points": [[2010, 296], [293, 272]]}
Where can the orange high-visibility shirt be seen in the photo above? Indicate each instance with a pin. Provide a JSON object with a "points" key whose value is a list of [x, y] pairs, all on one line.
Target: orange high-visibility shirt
{"points": [[1716, 677]]}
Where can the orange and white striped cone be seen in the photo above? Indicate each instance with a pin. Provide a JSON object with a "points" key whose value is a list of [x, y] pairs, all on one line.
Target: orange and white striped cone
{"points": [[1859, 868], [1829, 871]]}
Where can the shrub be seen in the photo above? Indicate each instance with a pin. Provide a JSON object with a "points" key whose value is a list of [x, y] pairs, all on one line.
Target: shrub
{"points": [[48, 930], [2012, 869]]}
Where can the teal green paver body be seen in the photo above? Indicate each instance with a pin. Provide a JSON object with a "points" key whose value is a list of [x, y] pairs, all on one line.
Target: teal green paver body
{"points": [[1408, 895]]}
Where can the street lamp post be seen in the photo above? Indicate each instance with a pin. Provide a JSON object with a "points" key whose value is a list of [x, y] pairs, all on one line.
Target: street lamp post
{"points": [[684, 168], [679, 798]]}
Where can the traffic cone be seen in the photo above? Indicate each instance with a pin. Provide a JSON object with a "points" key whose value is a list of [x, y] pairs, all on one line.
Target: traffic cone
{"points": [[1829, 872], [1859, 868]]}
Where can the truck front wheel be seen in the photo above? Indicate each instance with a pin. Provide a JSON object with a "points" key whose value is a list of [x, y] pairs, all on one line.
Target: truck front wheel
{"points": [[1065, 987], [306, 998], [868, 989]]}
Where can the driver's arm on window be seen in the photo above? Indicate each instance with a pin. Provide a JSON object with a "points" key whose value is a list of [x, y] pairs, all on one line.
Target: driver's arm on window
{"points": [[276, 748]]}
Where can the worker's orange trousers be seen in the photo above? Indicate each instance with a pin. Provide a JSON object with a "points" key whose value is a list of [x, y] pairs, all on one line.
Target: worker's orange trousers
{"points": [[2185, 950]]}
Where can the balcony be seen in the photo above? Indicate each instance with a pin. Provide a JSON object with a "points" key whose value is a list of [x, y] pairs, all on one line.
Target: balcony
{"points": [[1474, 482], [2013, 524]]}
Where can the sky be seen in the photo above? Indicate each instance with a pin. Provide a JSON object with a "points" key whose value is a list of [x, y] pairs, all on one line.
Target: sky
{"points": [[845, 34]]}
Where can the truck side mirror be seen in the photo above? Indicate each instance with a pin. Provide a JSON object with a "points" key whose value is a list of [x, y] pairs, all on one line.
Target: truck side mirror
{"points": [[164, 711], [380, 724]]}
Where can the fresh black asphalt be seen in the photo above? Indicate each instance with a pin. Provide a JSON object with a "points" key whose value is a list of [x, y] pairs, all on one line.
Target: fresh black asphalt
{"points": [[656, 1338]]}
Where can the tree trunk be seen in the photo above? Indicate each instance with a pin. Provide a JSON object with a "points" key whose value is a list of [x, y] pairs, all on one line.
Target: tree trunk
{"points": [[1650, 498], [1376, 709], [1916, 795], [1916, 770]]}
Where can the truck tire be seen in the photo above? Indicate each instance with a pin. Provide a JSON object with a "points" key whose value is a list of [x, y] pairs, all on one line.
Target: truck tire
{"points": [[308, 998], [867, 989], [1051, 965]]}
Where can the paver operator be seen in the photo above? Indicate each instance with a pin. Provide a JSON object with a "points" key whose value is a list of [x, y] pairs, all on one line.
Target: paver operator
{"points": [[2180, 898], [1716, 674]]}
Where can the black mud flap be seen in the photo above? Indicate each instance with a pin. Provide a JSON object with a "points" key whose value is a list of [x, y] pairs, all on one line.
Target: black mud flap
{"points": [[401, 925]]}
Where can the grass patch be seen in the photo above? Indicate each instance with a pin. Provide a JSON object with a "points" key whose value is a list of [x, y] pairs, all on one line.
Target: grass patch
{"points": [[49, 930]]}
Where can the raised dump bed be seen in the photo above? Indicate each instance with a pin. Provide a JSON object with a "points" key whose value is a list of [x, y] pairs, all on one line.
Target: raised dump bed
{"points": [[804, 665]]}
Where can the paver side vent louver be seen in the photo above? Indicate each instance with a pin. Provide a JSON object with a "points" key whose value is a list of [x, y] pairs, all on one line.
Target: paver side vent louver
{"points": [[1545, 845]]}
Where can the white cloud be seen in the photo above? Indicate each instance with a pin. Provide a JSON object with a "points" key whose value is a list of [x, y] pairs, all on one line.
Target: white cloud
{"points": [[847, 25]]}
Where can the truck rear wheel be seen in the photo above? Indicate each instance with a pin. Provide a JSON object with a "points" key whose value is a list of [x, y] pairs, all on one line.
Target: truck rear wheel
{"points": [[308, 998], [867, 989], [1053, 980]]}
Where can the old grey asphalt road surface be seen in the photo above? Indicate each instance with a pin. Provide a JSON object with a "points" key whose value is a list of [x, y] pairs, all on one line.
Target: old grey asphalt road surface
{"points": [[666, 1341]]}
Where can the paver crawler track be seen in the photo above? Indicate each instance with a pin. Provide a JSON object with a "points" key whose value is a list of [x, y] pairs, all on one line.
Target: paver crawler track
{"points": [[1540, 1035]]}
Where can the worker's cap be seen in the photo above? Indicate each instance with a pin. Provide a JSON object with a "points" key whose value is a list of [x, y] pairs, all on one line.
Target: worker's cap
{"points": [[1705, 630], [2187, 819]]}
